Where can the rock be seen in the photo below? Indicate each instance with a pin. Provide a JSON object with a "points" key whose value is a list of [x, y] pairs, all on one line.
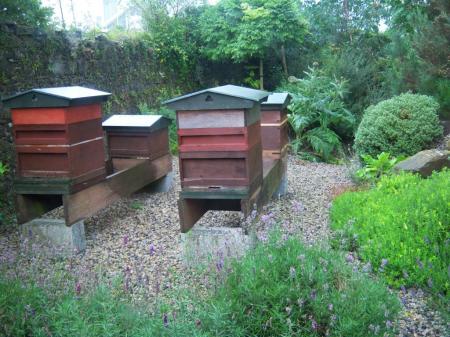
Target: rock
{"points": [[425, 162]]}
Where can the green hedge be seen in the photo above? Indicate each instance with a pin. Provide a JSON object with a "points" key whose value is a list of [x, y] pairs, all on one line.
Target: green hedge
{"points": [[402, 227], [402, 125]]}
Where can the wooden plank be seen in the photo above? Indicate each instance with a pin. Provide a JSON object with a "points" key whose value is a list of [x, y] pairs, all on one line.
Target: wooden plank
{"points": [[29, 207], [87, 202], [210, 119], [190, 211], [212, 193]]}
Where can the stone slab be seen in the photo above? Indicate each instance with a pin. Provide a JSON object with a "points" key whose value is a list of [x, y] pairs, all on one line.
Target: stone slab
{"points": [[204, 245], [55, 235], [425, 162]]}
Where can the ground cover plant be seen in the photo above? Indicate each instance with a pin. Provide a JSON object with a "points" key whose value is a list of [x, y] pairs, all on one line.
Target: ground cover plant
{"points": [[375, 168], [400, 229], [402, 125], [281, 288]]}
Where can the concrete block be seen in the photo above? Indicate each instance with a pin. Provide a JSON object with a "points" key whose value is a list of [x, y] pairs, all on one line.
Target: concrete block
{"points": [[54, 234], [203, 245], [159, 186]]}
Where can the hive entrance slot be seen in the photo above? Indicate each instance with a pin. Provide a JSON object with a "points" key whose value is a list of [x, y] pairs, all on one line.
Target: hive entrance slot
{"points": [[214, 187]]}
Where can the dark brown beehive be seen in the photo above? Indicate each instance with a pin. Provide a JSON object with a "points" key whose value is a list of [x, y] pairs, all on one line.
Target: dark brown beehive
{"points": [[137, 136], [274, 125], [58, 135], [219, 138]]}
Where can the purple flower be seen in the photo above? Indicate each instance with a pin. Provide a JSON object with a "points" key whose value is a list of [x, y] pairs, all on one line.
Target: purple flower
{"points": [[78, 288], [165, 320], [265, 218], [314, 325], [152, 249], [430, 282], [125, 240], [367, 268], [403, 289], [198, 322], [384, 263], [219, 265], [313, 294], [300, 302], [330, 306], [288, 310], [350, 258], [389, 324]]}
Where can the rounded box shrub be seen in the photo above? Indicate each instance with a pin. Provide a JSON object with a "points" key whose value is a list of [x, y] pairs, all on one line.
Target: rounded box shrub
{"points": [[402, 125]]}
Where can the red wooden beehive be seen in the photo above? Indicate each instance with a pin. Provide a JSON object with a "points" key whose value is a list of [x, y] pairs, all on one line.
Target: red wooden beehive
{"points": [[274, 125], [58, 136], [219, 138], [137, 136]]}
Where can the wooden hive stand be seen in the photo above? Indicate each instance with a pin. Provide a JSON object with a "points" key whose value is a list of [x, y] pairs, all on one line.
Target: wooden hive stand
{"points": [[61, 158], [221, 153]]}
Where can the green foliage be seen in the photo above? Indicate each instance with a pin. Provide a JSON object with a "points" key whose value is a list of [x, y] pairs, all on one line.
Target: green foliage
{"points": [[3, 168], [163, 111], [402, 125], [375, 168], [25, 12], [317, 113], [282, 288], [402, 227]]}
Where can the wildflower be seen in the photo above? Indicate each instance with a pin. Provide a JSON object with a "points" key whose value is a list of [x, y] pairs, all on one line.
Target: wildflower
{"points": [[313, 294], [314, 325], [426, 240], [152, 249], [405, 274], [300, 302], [430, 282], [330, 306], [219, 265], [125, 240], [165, 320], [265, 218], [384, 263], [292, 273], [198, 323], [350, 258], [389, 324], [403, 289], [78, 288], [367, 268]]}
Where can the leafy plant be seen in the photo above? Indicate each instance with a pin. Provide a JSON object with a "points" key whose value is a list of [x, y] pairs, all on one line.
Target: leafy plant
{"points": [[401, 227], [317, 113], [3, 168], [375, 168], [283, 288], [402, 125]]}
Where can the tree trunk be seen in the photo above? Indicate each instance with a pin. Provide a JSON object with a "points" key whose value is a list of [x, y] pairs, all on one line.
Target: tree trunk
{"points": [[261, 73], [62, 15], [283, 60]]}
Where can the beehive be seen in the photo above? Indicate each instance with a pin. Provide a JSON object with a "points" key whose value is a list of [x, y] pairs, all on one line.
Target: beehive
{"points": [[137, 136], [219, 138], [58, 135], [274, 125]]}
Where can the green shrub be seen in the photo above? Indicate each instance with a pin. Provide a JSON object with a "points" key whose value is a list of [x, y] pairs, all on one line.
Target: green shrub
{"points": [[283, 288], [402, 125], [318, 115], [402, 227]]}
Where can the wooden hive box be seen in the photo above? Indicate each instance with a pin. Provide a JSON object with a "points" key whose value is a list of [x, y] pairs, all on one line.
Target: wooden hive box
{"points": [[58, 137], [137, 136], [274, 125], [219, 138]]}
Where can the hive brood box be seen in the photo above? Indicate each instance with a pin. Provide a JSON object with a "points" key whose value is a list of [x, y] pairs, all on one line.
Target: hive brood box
{"points": [[58, 136], [274, 125], [137, 136], [219, 138]]}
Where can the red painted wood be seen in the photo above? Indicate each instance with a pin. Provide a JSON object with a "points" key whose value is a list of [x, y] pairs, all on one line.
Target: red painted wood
{"points": [[33, 116], [138, 144]]}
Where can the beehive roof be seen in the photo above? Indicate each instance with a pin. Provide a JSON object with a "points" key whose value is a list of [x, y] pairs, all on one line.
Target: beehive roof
{"points": [[56, 97], [146, 123]]}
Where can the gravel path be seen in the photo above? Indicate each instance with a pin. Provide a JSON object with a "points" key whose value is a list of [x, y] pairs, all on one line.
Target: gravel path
{"points": [[138, 238]]}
